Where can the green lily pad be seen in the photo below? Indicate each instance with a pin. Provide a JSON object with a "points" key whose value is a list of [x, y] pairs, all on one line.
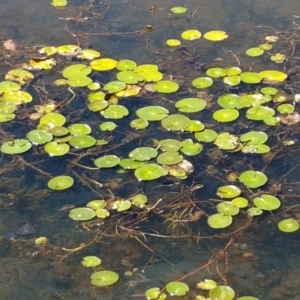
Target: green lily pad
{"points": [[104, 278], [57, 149], [96, 204], [202, 82], [88, 54], [152, 113], [139, 124], [240, 202], [82, 214], [207, 284], [79, 81], [126, 65], [233, 71], [91, 261], [223, 292], [7, 108], [190, 105], [146, 68], [121, 205], [195, 126], [191, 34], [16, 146], [226, 115], [227, 141], [176, 288], [149, 172], [79, 129], [268, 90], [227, 208], [76, 70], [216, 72], [82, 141], [9, 86], [253, 179], [102, 213], [58, 131], [254, 211], [288, 225], [19, 75], [173, 42], [169, 145], [251, 77], [229, 101], [98, 105], [107, 161], [259, 113], [256, 149], [254, 138], [130, 164], [17, 97], [206, 136], [154, 294], [6, 117], [103, 64], [152, 76], [169, 158], [108, 126], [286, 108], [139, 200], [115, 112], [188, 147], [218, 221], [129, 77], [166, 86], [255, 51], [228, 191], [273, 76], [232, 80], [59, 183], [68, 50], [96, 96], [143, 153], [267, 202], [175, 122], [39, 137], [115, 86], [215, 35], [53, 119], [178, 10]]}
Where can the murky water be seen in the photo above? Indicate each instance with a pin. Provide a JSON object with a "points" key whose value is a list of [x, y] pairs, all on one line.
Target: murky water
{"points": [[145, 250]]}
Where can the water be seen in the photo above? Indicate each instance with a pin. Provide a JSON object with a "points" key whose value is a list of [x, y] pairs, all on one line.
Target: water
{"points": [[160, 245]]}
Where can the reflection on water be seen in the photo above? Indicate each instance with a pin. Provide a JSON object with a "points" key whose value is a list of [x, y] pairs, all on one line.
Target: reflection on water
{"points": [[159, 246]]}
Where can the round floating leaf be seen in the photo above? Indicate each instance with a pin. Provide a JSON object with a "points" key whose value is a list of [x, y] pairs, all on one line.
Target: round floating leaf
{"points": [[139, 200], [79, 129], [206, 136], [219, 220], [232, 71], [17, 97], [7, 108], [207, 284], [190, 148], [259, 113], [228, 191], [273, 76], [126, 65], [176, 288], [58, 131], [16, 146], [254, 211], [265, 46], [256, 149], [227, 208], [216, 72], [288, 225], [98, 105], [139, 124], [152, 113], [6, 117], [240, 202], [130, 164], [107, 161], [232, 80], [9, 86], [256, 51], [53, 119], [166, 86], [143, 153], [267, 202], [91, 261], [103, 64], [41, 241], [88, 54], [115, 112], [215, 35], [48, 50], [59, 3], [82, 141], [114, 86], [169, 158], [79, 81], [146, 68], [129, 77], [254, 137], [175, 122], [76, 70], [251, 77], [102, 213], [19, 75], [149, 172], [152, 293], [152, 76], [195, 126], [253, 179], [96, 204], [190, 35], [121, 205], [223, 292], [202, 82], [173, 42], [226, 115], [169, 145], [131, 90], [96, 96], [229, 101], [190, 105], [39, 137], [178, 10], [227, 141], [82, 214], [59, 183], [104, 278], [269, 91], [285, 108], [108, 126], [57, 149]]}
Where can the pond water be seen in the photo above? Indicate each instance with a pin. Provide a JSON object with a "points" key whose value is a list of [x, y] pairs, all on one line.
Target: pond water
{"points": [[169, 239]]}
